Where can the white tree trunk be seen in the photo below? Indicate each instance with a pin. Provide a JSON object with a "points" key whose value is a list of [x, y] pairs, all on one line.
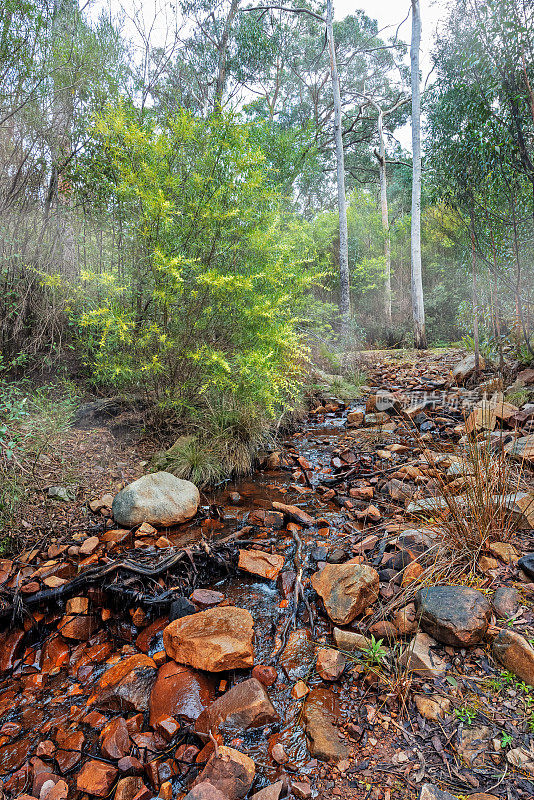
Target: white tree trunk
{"points": [[417, 281], [344, 306], [385, 218]]}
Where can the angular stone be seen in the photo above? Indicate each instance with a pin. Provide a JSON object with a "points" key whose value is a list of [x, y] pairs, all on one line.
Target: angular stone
{"points": [[257, 562], [526, 563], [69, 750], [515, 654], [96, 778], [346, 589], [322, 737], [298, 654], [504, 551], [217, 639], [330, 663], [115, 739], [179, 692], [160, 499], [271, 792], [206, 598], [473, 741], [205, 791], [521, 449], [229, 771], [454, 615], [246, 705], [127, 788], [294, 513], [419, 658], [266, 519], [127, 684], [466, 367], [349, 641]]}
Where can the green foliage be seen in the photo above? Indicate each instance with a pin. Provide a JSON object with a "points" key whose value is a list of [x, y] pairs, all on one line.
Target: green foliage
{"points": [[466, 714], [374, 654]]}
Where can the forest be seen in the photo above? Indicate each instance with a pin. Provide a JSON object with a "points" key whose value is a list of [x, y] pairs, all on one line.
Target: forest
{"points": [[266, 400]]}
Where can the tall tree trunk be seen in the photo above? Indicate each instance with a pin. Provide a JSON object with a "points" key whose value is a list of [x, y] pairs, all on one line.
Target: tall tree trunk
{"points": [[385, 221], [220, 82], [474, 296], [344, 305], [418, 306]]}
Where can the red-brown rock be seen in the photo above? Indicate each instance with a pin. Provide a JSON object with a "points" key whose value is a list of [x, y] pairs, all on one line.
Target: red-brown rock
{"points": [[229, 771], [179, 692], [96, 778], [213, 640], [127, 684], [206, 598], [127, 788], [257, 562], [115, 739], [246, 705], [265, 675], [69, 751]]}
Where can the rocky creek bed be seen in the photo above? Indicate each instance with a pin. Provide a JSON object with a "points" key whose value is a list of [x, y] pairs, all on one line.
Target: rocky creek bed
{"points": [[283, 638]]}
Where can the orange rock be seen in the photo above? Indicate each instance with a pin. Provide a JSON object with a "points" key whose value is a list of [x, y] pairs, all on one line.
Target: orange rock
{"points": [[96, 778], [89, 546], [115, 739], [229, 771], [127, 684], [179, 692], [246, 705], [213, 640], [265, 675], [346, 589], [127, 788], [266, 565], [411, 573]]}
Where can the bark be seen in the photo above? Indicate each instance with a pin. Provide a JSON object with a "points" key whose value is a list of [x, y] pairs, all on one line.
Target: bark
{"points": [[220, 82], [474, 296], [385, 219], [344, 305], [418, 307]]}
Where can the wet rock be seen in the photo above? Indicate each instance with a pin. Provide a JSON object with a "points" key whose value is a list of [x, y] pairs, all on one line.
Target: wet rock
{"points": [[322, 737], [96, 778], [129, 765], [515, 654], [299, 690], [206, 598], [286, 582], [127, 788], [383, 629], [346, 589], [160, 499], [213, 640], [265, 675], [466, 367], [10, 646], [257, 562], [229, 771], [179, 692], [266, 519], [246, 705], [77, 623], [205, 791], [505, 602], [526, 563], [432, 708], [472, 743], [69, 750], [58, 791], [301, 789], [181, 607], [115, 739], [271, 792], [431, 792], [330, 663], [355, 418], [419, 657], [298, 654], [294, 513], [454, 615], [127, 684]]}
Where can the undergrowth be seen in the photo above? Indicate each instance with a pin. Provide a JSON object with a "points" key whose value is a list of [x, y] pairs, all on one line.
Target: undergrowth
{"points": [[31, 422]]}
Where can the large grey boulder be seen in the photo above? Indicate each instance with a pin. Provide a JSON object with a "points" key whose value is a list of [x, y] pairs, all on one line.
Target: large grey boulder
{"points": [[465, 368], [454, 615], [160, 499]]}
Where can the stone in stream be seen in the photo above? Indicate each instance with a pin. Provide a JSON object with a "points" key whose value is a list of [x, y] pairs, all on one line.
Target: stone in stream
{"points": [[266, 519], [515, 654], [205, 791], [214, 640], [229, 771], [115, 739], [127, 684], [346, 589], [271, 792], [454, 615], [298, 654], [294, 513], [258, 562], [246, 705], [322, 738], [179, 692], [161, 499]]}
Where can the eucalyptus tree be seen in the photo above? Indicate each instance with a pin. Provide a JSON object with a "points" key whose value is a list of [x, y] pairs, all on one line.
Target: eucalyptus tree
{"points": [[418, 306]]}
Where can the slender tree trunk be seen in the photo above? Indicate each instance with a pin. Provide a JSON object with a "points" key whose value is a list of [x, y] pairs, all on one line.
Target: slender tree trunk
{"points": [[344, 305], [474, 296], [220, 82], [418, 307], [385, 220]]}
